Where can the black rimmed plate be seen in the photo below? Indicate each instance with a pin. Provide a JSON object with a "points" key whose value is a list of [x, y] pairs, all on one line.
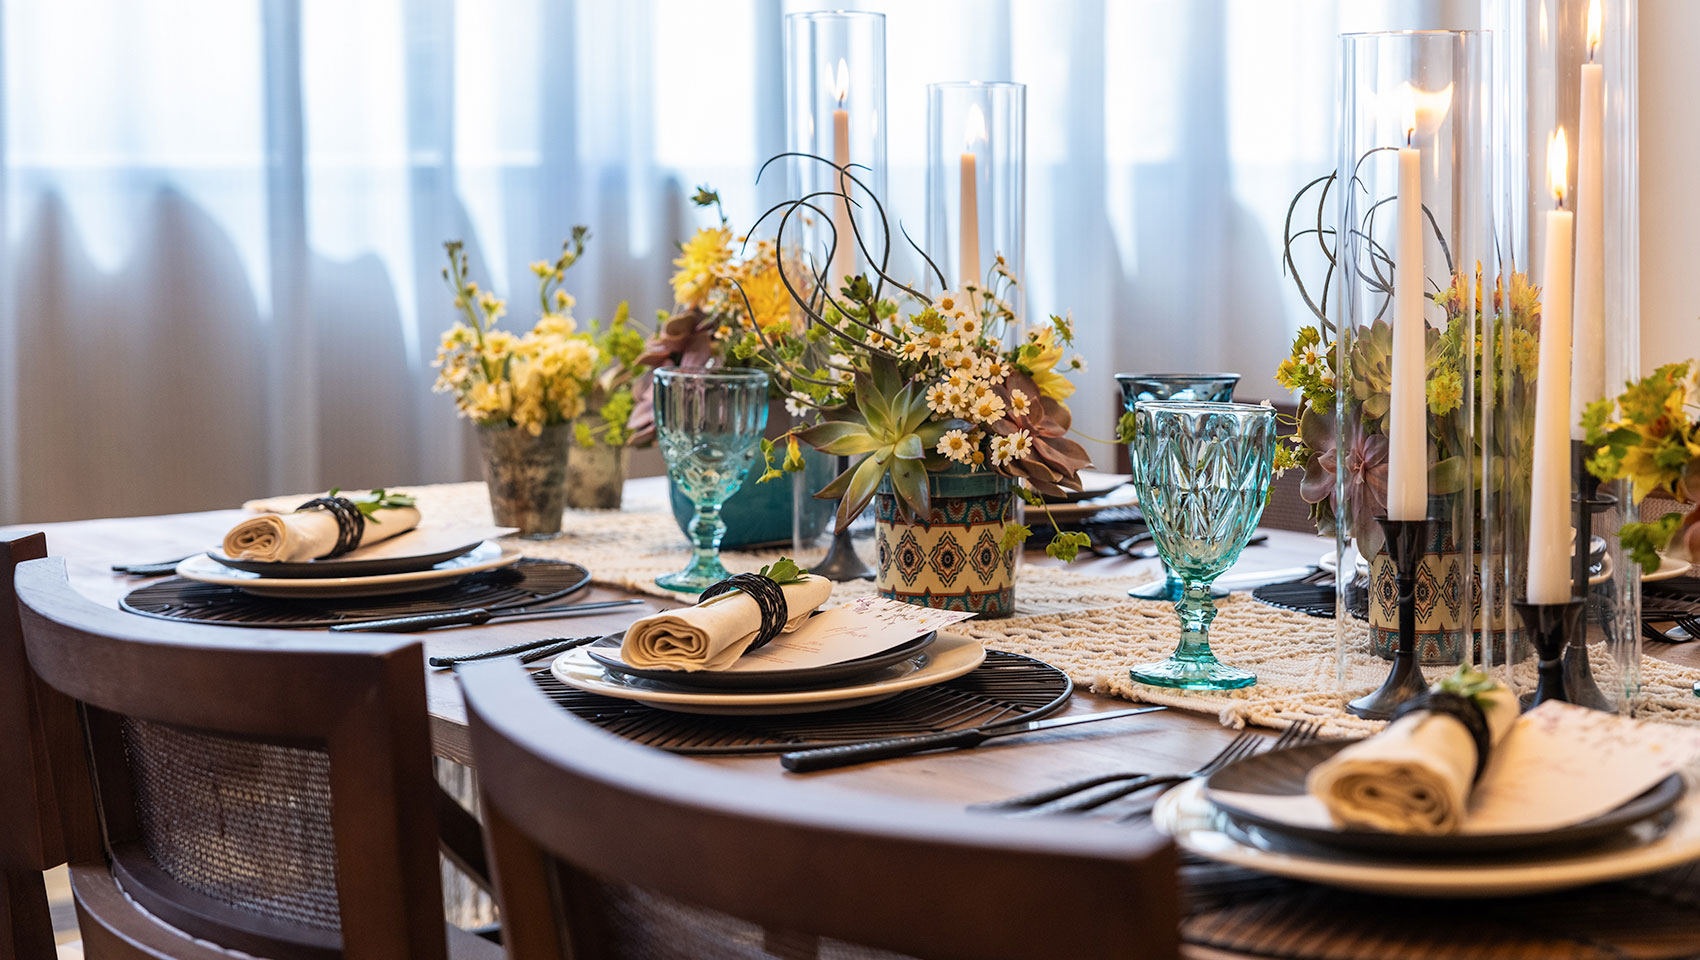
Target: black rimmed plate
{"points": [[606, 653], [349, 566], [1283, 772], [1093, 484]]}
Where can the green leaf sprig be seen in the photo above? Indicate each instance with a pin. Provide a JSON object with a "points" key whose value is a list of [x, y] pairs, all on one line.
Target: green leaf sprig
{"points": [[378, 499], [1470, 683], [783, 571]]}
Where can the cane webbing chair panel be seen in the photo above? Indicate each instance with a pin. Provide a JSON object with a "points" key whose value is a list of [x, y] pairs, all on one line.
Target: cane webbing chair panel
{"points": [[639, 924], [247, 824]]}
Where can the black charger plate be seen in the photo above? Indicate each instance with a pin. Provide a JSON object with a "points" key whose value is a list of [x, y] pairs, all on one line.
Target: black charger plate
{"points": [[1283, 773], [799, 678], [312, 569]]}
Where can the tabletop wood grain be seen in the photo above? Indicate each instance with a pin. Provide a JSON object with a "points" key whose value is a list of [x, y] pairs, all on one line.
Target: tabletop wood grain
{"points": [[1170, 741]]}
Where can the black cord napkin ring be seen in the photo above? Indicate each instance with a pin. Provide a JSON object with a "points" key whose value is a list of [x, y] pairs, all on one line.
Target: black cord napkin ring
{"points": [[1463, 709], [769, 598], [350, 522]]}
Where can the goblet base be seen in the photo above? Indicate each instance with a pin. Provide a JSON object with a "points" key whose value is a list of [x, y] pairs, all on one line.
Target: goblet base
{"points": [[693, 579], [1182, 674]]}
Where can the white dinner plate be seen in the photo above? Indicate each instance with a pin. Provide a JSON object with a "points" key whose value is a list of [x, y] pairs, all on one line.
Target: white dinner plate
{"points": [[1197, 826], [948, 657], [1668, 567], [486, 556]]}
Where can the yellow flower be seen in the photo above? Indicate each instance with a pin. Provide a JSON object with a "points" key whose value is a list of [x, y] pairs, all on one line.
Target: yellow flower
{"points": [[1043, 366], [555, 324], [701, 256], [770, 302]]}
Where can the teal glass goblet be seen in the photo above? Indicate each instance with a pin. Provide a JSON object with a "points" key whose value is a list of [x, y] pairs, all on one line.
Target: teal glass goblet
{"points": [[1212, 387], [709, 425], [1202, 473]]}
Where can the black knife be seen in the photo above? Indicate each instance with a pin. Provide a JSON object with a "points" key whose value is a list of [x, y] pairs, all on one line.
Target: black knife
{"points": [[825, 758], [477, 615]]}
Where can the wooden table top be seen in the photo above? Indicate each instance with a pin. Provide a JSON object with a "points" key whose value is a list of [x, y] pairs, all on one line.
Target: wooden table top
{"points": [[1170, 741]]}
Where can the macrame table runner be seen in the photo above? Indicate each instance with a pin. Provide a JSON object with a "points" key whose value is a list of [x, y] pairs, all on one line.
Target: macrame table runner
{"points": [[1083, 623]]}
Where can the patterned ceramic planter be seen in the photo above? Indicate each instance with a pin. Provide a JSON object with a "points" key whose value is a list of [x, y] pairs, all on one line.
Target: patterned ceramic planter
{"points": [[1449, 604], [952, 561], [596, 476], [527, 477]]}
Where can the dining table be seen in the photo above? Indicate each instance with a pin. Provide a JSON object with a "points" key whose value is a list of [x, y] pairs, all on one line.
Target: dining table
{"points": [[1222, 899]]}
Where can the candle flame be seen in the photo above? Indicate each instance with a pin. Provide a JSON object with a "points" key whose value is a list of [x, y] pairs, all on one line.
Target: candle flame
{"points": [[1558, 164], [1422, 111], [1594, 30], [974, 130], [841, 81]]}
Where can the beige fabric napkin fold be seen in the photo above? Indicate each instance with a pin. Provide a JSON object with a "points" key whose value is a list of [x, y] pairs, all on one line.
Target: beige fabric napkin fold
{"points": [[713, 635], [308, 534], [1413, 777]]}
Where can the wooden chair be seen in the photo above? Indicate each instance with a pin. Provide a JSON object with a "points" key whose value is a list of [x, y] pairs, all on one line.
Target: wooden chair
{"points": [[246, 791], [606, 850], [30, 838]]}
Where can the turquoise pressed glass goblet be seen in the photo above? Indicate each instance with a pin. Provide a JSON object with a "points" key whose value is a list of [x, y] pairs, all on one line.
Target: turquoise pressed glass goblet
{"points": [[1202, 473], [709, 425], [1137, 387]]}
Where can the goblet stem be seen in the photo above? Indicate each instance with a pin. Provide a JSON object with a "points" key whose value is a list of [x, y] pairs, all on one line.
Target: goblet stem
{"points": [[707, 530], [1196, 608]]}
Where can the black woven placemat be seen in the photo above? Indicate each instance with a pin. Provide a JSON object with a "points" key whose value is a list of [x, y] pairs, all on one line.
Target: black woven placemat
{"points": [[1007, 687], [526, 582], [1312, 599], [1674, 601]]}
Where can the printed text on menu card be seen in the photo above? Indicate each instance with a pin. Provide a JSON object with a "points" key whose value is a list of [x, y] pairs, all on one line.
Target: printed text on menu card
{"points": [[862, 627]]}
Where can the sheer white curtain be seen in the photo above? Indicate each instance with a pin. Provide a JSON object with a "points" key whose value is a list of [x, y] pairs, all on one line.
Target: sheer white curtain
{"points": [[223, 219]]}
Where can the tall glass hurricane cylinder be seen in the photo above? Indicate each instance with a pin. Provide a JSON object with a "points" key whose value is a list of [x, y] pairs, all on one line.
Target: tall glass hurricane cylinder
{"points": [[1571, 65], [1413, 252], [709, 426], [977, 182], [835, 115]]}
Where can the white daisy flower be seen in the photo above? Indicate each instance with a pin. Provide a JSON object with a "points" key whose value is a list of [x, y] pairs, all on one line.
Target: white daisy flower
{"points": [[1020, 403], [954, 445]]}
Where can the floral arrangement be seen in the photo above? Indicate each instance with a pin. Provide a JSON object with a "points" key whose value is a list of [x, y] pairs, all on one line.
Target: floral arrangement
{"points": [[1319, 367], [727, 295], [1650, 435], [1312, 370], [552, 374], [918, 386]]}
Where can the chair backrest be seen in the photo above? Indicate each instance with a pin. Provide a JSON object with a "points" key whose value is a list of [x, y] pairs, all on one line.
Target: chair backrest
{"points": [[603, 849], [258, 790], [30, 838]]}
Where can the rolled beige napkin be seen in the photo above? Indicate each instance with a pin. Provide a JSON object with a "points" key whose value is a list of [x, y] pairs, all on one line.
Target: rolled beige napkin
{"points": [[712, 635], [309, 534], [1415, 776]]}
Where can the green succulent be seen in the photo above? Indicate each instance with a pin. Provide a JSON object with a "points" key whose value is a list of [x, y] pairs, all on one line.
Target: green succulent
{"points": [[885, 422]]}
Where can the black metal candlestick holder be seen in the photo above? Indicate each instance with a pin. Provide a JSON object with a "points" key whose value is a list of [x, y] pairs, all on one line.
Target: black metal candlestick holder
{"points": [[1578, 671], [1551, 627], [1407, 540], [841, 562]]}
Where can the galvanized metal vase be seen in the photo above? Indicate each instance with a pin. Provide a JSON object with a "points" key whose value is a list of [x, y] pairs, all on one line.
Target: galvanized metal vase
{"points": [[527, 477], [954, 559], [596, 476]]}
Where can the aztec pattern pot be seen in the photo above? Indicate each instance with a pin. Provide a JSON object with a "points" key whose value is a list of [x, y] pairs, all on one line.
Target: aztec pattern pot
{"points": [[953, 560], [1449, 604]]}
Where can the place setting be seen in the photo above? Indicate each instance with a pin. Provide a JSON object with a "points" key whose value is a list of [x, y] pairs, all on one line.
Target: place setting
{"points": [[1460, 796], [362, 561]]}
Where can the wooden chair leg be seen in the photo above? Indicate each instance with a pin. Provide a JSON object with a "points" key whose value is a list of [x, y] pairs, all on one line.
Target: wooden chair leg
{"points": [[26, 926]]}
